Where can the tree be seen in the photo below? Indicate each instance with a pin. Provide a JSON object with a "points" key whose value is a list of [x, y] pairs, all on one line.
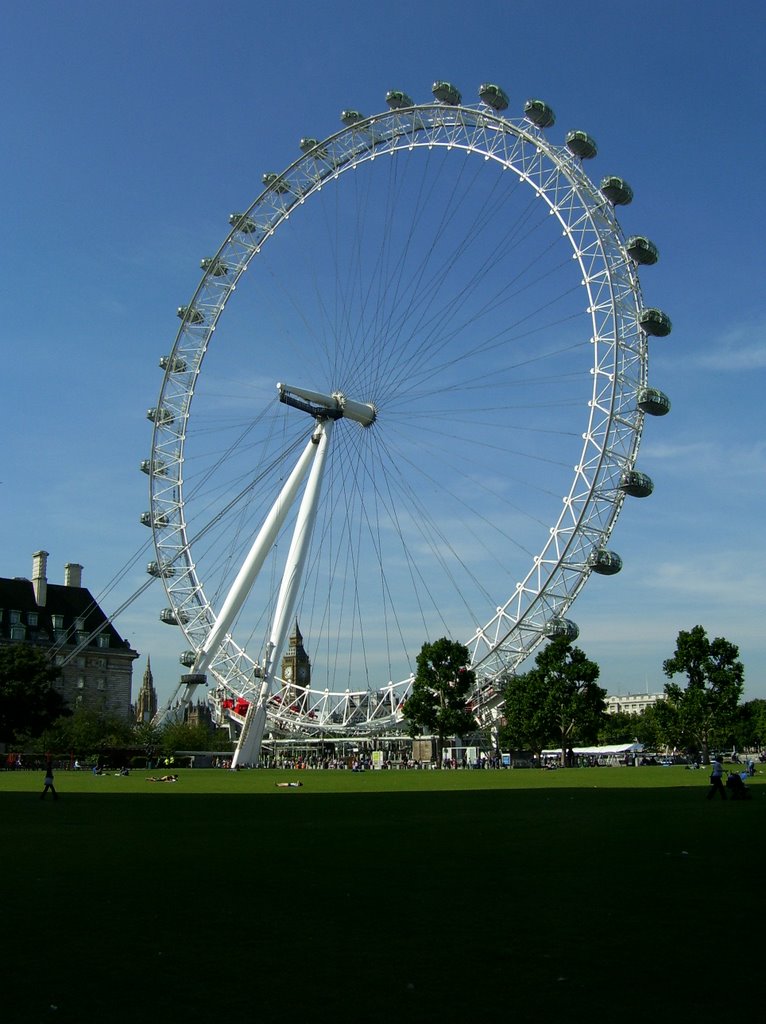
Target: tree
{"points": [[696, 715], [89, 731], [750, 725], [438, 701], [182, 736], [527, 721], [28, 701], [621, 727], [148, 737], [648, 729], [560, 699]]}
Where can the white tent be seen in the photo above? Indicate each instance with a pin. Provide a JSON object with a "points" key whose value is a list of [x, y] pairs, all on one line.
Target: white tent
{"points": [[613, 752]]}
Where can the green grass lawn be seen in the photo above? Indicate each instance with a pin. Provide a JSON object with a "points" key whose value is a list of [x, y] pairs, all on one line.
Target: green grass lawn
{"points": [[387, 896]]}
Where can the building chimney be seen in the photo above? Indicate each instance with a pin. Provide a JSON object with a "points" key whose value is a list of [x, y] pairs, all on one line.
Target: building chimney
{"points": [[72, 575], [39, 578]]}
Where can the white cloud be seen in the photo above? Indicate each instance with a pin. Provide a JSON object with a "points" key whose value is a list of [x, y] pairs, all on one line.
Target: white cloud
{"points": [[741, 348]]}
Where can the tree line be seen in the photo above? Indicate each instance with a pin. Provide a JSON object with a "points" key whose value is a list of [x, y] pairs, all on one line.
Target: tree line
{"points": [[34, 716], [559, 704]]}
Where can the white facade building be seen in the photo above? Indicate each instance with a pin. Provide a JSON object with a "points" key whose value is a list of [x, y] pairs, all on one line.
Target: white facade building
{"points": [[631, 703]]}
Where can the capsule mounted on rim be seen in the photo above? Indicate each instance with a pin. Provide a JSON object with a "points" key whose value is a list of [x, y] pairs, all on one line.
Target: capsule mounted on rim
{"points": [[447, 93], [493, 96], [539, 114]]}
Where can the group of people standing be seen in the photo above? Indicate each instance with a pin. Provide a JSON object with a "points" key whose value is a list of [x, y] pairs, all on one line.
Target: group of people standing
{"points": [[735, 783]]}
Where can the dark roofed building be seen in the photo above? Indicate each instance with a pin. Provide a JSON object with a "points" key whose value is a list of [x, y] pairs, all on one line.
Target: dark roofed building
{"points": [[65, 621]]}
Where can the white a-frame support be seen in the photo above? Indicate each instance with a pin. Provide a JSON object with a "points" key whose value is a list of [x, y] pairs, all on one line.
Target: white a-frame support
{"points": [[249, 745], [325, 409]]}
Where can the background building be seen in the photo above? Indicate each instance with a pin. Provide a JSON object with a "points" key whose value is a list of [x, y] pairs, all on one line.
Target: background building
{"points": [[631, 703], [296, 672], [66, 623], [146, 705]]}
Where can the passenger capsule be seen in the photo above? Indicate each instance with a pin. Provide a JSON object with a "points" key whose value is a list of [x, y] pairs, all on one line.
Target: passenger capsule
{"points": [[172, 618], [158, 520], [214, 266], [309, 145], [242, 223], [158, 467], [493, 96], [160, 571], [539, 113], [653, 402], [616, 190], [160, 416], [446, 92], [655, 322], [605, 563], [173, 363], [351, 117], [637, 485], [561, 629], [642, 251], [581, 144], [194, 678], [190, 315], [398, 100], [187, 658], [274, 182]]}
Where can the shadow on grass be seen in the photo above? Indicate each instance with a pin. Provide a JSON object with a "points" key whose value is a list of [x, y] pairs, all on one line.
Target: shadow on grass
{"points": [[405, 906]]}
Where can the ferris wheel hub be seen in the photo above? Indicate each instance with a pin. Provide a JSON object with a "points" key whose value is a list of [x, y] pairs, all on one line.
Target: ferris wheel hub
{"points": [[335, 406]]}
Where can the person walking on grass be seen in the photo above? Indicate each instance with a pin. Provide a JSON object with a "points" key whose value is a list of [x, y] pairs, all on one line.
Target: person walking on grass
{"points": [[49, 783], [716, 779]]}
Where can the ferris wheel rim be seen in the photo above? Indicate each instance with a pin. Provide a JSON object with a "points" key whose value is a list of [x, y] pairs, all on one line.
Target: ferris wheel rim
{"points": [[403, 131]]}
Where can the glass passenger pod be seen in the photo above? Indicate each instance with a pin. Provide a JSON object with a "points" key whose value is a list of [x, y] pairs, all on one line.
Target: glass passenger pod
{"points": [[160, 416], [637, 485], [398, 100], [187, 658], [194, 678], [160, 571], [616, 190], [581, 145], [214, 266], [190, 315], [642, 251], [653, 402], [174, 364], [493, 96], [351, 117], [446, 92], [539, 113], [605, 563], [173, 618], [159, 467], [242, 223], [273, 181], [159, 520], [561, 629], [655, 322], [309, 145]]}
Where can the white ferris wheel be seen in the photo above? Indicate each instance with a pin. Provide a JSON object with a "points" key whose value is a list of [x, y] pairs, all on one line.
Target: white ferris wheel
{"points": [[419, 417]]}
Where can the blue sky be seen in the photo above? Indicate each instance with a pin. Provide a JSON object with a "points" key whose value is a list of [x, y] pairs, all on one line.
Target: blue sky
{"points": [[131, 131]]}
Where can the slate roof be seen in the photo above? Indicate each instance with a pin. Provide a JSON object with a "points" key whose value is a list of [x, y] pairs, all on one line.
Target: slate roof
{"points": [[70, 602]]}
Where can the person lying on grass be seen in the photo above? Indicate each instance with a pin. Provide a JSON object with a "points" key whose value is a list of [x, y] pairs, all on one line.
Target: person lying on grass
{"points": [[163, 778]]}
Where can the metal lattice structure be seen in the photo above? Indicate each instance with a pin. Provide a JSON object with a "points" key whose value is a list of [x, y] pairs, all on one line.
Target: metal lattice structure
{"points": [[448, 350]]}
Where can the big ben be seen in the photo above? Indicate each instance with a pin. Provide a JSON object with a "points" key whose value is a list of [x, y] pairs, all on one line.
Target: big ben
{"points": [[296, 666]]}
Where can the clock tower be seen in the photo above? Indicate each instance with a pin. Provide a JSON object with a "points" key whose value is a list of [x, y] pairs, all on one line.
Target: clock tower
{"points": [[296, 666]]}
